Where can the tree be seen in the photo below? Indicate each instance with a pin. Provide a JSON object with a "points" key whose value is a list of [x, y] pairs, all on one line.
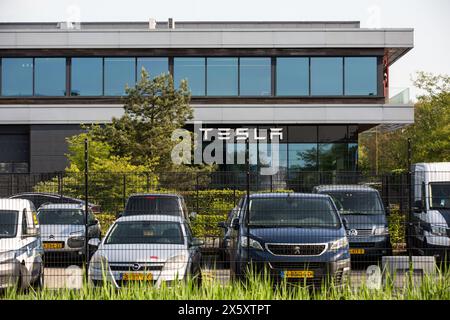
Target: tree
{"points": [[154, 108], [430, 133]]}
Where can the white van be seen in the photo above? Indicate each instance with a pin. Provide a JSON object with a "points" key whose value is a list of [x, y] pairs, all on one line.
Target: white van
{"points": [[21, 253], [430, 230]]}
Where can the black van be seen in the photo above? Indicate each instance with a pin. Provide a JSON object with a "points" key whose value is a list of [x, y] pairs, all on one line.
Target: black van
{"points": [[363, 211], [158, 204]]}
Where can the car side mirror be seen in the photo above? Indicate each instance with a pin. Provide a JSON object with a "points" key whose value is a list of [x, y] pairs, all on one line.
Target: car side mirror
{"points": [[197, 242], [94, 222], [95, 242], [222, 224], [119, 214], [388, 211], [235, 223], [418, 208], [345, 223], [193, 215], [32, 232]]}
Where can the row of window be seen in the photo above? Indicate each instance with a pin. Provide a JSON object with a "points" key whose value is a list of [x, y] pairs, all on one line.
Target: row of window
{"points": [[294, 157], [223, 76]]}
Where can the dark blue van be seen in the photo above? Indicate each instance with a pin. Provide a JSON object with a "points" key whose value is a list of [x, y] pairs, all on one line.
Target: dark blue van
{"points": [[363, 211], [299, 237]]}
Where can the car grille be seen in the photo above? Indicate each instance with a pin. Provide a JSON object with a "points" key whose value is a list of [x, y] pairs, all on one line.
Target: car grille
{"points": [[297, 265], [129, 267], [362, 244], [362, 233], [296, 249]]}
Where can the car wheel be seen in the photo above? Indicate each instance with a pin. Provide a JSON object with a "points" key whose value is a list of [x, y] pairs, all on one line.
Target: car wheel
{"points": [[23, 281], [39, 282]]}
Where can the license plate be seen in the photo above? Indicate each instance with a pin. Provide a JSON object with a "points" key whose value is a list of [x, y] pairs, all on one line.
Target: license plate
{"points": [[53, 245], [357, 251], [137, 276], [298, 274]]}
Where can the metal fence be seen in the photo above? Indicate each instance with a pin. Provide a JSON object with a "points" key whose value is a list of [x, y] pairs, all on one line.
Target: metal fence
{"points": [[305, 227]]}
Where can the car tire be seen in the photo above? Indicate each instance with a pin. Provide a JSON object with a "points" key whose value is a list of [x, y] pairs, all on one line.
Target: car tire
{"points": [[39, 282], [22, 282]]}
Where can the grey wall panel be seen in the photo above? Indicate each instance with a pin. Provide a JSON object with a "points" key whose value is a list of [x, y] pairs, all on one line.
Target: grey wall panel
{"points": [[48, 146]]}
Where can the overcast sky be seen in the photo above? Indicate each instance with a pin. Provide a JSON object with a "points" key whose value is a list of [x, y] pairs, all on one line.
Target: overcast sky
{"points": [[429, 18]]}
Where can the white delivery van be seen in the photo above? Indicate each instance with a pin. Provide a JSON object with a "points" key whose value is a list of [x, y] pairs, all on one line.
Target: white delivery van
{"points": [[430, 228], [21, 253]]}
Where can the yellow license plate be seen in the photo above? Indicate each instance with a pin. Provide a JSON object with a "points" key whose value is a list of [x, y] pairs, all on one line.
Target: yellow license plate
{"points": [[137, 276], [299, 274], [53, 245], [357, 251]]}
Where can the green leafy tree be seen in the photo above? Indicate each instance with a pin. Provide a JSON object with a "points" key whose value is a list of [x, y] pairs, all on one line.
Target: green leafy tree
{"points": [[430, 133], [154, 108]]}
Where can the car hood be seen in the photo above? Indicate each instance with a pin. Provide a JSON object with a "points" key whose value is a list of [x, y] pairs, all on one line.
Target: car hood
{"points": [[360, 221], [59, 229], [140, 252], [7, 244], [295, 235]]}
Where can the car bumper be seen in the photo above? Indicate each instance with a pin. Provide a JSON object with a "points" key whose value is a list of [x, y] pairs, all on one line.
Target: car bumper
{"points": [[330, 267], [98, 278], [442, 253], [9, 274], [370, 251]]}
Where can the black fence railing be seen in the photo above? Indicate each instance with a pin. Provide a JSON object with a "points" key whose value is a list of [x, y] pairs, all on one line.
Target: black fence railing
{"points": [[297, 225]]}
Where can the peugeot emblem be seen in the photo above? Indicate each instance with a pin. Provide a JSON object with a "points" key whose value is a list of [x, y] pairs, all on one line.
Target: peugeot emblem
{"points": [[352, 232], [136, 266], [297, 250], [51, 237]]}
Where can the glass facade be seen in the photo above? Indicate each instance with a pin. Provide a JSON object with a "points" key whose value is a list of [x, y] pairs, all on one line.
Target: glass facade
{"points": [[17, 77], [292, 77], [361, 76], [206, 76], [255, 76], [154, 66], [222, 77], [193, 70], [87, 77], [327, 76], [49, 76], [119, 72]]}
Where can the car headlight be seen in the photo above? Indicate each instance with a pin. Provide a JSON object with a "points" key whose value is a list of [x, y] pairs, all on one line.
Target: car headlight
{"points": [[98, 262], [249, 242], [381, 231], [338, 244], [7, 256], [176, 263], [439, 230]]}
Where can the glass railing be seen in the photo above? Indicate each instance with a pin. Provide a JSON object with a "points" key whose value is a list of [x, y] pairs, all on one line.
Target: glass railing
{"points": [[399, 95]]}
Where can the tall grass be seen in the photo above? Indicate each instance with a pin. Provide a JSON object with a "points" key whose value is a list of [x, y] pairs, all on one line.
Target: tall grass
{"points": [[435, 287]]}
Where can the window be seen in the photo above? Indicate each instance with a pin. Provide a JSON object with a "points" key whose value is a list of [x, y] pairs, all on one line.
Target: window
{"points": [[222, 76], [332, 133], [17, 76], [302, 156], [332, 156], [87, 77], [361, 76], [292, 76], [119, 72], [255, 77], [154, 66], [50, 76], [326, 76], [193, 70]]}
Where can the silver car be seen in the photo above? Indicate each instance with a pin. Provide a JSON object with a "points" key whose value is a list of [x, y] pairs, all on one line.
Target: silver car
{"points": [[63, 228], [146, 248]]}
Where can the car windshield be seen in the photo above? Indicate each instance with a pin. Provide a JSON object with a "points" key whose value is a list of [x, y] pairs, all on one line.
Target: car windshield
{"points": [[293, 212], [357, 202], [8, 223], [61, 216], [153, 205], [440, 195], [146, 232]]}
